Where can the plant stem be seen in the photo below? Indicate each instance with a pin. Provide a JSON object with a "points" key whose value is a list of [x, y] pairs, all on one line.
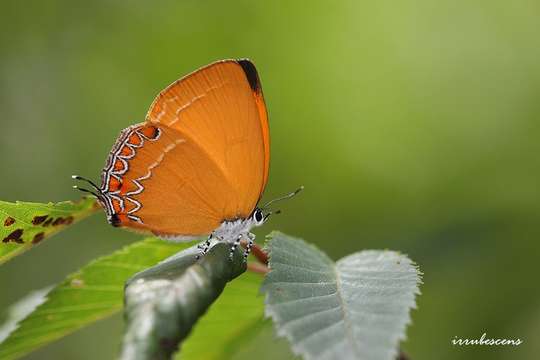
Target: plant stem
{"points": [[258, 268], [402, 356], [258, 252]]}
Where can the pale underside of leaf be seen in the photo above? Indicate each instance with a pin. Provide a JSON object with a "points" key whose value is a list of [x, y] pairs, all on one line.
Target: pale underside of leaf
{"points": [[22, 309], [357, 308], [164, 303], [236, 317]]}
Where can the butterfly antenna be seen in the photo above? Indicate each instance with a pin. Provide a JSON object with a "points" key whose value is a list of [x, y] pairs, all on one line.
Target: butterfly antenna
{"points": [[285, 197], [77, 177], [85, 190], [271, 212], [96, 188]]}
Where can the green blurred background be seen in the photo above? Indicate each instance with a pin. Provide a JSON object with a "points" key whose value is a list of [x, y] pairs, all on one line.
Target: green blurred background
{"points": [[413, 125]]}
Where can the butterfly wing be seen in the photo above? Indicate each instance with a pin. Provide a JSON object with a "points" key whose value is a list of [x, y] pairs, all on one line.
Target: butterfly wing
{"points": [[201, 157], [221, 107]]}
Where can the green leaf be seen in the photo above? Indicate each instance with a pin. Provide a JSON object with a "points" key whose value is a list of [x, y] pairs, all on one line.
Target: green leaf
{"points": [[23, 225], [236, 317], [93, 293], [164, 303], [357, 308]]}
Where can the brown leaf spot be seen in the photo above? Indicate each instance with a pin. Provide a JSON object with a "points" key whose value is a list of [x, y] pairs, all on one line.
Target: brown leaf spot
{"points": [[38, 237], [39, 219], [48, 222], [63, 221], [9, 221], [15, 236]]}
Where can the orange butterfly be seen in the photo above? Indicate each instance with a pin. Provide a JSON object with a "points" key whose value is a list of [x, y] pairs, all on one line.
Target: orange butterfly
{"points": [[199, 163]]}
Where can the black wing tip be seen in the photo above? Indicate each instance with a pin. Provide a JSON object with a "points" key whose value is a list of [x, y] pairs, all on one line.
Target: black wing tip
{"points": [[251, 74]]}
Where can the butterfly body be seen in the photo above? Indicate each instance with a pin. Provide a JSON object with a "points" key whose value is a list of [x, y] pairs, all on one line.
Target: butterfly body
{"points": [[198, 165], [233, 231], [230, 230]]}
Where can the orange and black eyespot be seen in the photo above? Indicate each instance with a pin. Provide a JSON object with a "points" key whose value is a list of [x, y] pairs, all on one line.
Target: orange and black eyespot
{"points": [[150, 132], [126, 151], [114, 184], [134, 139], [119, 165]]}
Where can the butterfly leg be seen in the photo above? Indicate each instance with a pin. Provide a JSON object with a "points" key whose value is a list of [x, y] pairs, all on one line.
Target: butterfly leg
{"points": [[204, 246], [234, 246], [251, 238]]}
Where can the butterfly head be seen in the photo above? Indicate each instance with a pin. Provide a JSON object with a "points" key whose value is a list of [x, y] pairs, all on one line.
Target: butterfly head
{"points": [[261, 215]]}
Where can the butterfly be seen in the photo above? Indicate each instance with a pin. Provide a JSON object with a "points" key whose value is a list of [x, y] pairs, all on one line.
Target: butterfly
{"points": [[198, 165]]}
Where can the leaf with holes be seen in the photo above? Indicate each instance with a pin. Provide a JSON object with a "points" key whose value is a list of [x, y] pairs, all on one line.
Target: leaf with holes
{"points": [[356, 308], [23, 224], [93, 293]]}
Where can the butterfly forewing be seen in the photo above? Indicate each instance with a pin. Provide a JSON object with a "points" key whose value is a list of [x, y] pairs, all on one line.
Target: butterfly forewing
{"points": [[217, 108]]}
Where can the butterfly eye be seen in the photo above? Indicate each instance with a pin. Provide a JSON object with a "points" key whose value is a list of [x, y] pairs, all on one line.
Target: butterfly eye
{"points": [[258, 216]]}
